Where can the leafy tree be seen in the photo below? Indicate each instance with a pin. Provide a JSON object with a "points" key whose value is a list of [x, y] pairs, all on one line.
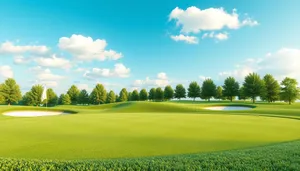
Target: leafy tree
{"points": [[2, 99], [118, 98], [111, 98], [10, 91], [83, 97], [230, 88], [152, 94], [33, 97], [123, 95], [135, 96], [242, 95], [66, 100], [289, 91], [180, 92], [143, 95], [159, 94], [219, 93], [208, 89], [168, 93], [73, 92], [52, 98], [98, 95], [129, 96], [60, 99], [272, 89], [194, 90], [253, 86]]}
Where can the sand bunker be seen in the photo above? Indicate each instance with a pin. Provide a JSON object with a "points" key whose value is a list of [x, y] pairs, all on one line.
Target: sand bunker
{"points": [[228, 108], [32, 113]]}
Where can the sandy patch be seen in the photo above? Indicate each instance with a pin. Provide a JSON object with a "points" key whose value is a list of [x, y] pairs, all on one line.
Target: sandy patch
{"points": [[32, 113], [228, 108]]}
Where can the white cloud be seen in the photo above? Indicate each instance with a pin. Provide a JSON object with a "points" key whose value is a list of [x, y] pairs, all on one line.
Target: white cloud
{"points": [[10, 48], [119, 71], [202, 78], [161, 81], [6, 71], [83, 87], [187, 39], [45, 76], [19, 60], [217, 36], [195, 20], [80, 70], [162, 76], [85, 48], [54, 62]]}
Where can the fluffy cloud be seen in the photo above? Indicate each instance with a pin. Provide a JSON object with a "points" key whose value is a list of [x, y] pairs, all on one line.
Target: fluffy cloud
{"points": [[10, 48], [187, 39], [161, 81], [195, 20], [119, 71], [217, 36], [6, 71], [85, 48], [54, 62], [46, 77], [19, 60]]}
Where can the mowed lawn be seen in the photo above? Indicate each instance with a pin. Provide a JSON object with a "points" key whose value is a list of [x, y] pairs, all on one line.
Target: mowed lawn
{"points": [[118, 131]]}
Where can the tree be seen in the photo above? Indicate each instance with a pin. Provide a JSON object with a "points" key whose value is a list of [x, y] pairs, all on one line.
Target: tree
{"points": [[129, 96], [33, 97], [60, 99], [52, 98], [135, 96], [66, 100], [118, 98], [143, 95], [208, 89], [168, 93], [152, 94], [111, 98], [124, 95], [272, 89], [83, 97], [180, 92], [73, 92], [194, 90], [253, 86], [2, 99], [10, 91], [230, 88], [98, 95], [219, 93], [159, 94], [242, 95], [289, 91]]}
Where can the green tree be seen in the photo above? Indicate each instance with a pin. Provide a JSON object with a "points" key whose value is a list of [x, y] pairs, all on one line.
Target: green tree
{"points": [[66, 100], [180, 92], [111, 98], [242, 95], [10, 91], [230, 88], [60, 99], [253, 86], [2, 99], [135, 96], [143, 95], [219, 93], [159, 94], [33, 97], [123, 95], [194, 90], [118, 98], [83, 97], [152, 94], [208, 89], [168, 93], [73, 92], [98, 95], [52, 98], [289, 90], [129, 96], [272, 89]]}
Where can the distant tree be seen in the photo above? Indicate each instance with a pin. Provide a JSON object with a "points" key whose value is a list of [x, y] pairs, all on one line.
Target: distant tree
{"points": [[60, 99], [83, 97], [118, 98], [10, 91], [272, 89], [168, 93], [123, 95], [135, 96], [289, 90], [194, 90], [33, 97], [180, 92], [27, 99], [98, 95], [152, 94], [242, 95], [208, 89], [52, 98], [159, 94], [73, 92], [143, 95], [129, 96], [230, 88], [219, 93], [111, 98], [66, 100], [253, 86]]}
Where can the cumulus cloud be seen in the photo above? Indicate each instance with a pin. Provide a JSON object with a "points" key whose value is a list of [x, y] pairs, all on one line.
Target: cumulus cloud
{"points": [[45, 76], [10, 48], [53, 61], [161, 81], [195, 20], [187, 39], [86, 49], [6, 71], [119, 70], [20, 60], [217, 36]]}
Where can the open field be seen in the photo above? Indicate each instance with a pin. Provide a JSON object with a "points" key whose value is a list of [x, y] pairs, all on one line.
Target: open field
{"points": [[145, 132]]}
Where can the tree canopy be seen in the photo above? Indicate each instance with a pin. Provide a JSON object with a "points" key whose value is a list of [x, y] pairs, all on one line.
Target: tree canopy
{"points": [[123, 95], [272, 89], [83, 97], [52, 98], [208, 89], [230, 88], [289, 91], [180, 92], [10, 91], [159, 94], [111, 97], [73, 92], [98, 95], [219, 93], [152, 94], [194, 90], [253, 86], [135, 96], [143, 95], [168, 93]]}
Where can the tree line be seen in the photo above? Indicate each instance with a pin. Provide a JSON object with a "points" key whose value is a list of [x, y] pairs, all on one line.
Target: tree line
{"points": [[267, 88]]}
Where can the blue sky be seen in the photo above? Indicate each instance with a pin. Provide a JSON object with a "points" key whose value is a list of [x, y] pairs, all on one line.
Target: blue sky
{"points": [[142, 44]]}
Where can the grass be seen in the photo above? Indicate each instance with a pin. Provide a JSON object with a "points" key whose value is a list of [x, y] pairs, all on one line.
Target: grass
{"points": [[144, 132]]}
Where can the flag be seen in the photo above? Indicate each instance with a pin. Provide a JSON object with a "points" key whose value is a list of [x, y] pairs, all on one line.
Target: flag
{"points": [[44, 95]]}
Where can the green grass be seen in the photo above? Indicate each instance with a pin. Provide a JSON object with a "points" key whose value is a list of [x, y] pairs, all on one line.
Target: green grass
{"points": [[143, 132]]}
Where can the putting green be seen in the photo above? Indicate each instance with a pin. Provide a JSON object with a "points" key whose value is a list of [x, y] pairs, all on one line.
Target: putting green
{"points": [[118, 135]]}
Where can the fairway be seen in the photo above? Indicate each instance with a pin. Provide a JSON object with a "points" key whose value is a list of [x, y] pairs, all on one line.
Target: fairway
{"points": [[104, 133]]}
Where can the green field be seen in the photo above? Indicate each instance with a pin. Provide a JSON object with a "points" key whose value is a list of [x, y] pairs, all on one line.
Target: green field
{"points": [[147, 131]]}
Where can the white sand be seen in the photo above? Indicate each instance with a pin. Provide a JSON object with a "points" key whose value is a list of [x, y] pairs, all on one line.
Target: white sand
{"points": [[32, 113], [228, 108]]}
